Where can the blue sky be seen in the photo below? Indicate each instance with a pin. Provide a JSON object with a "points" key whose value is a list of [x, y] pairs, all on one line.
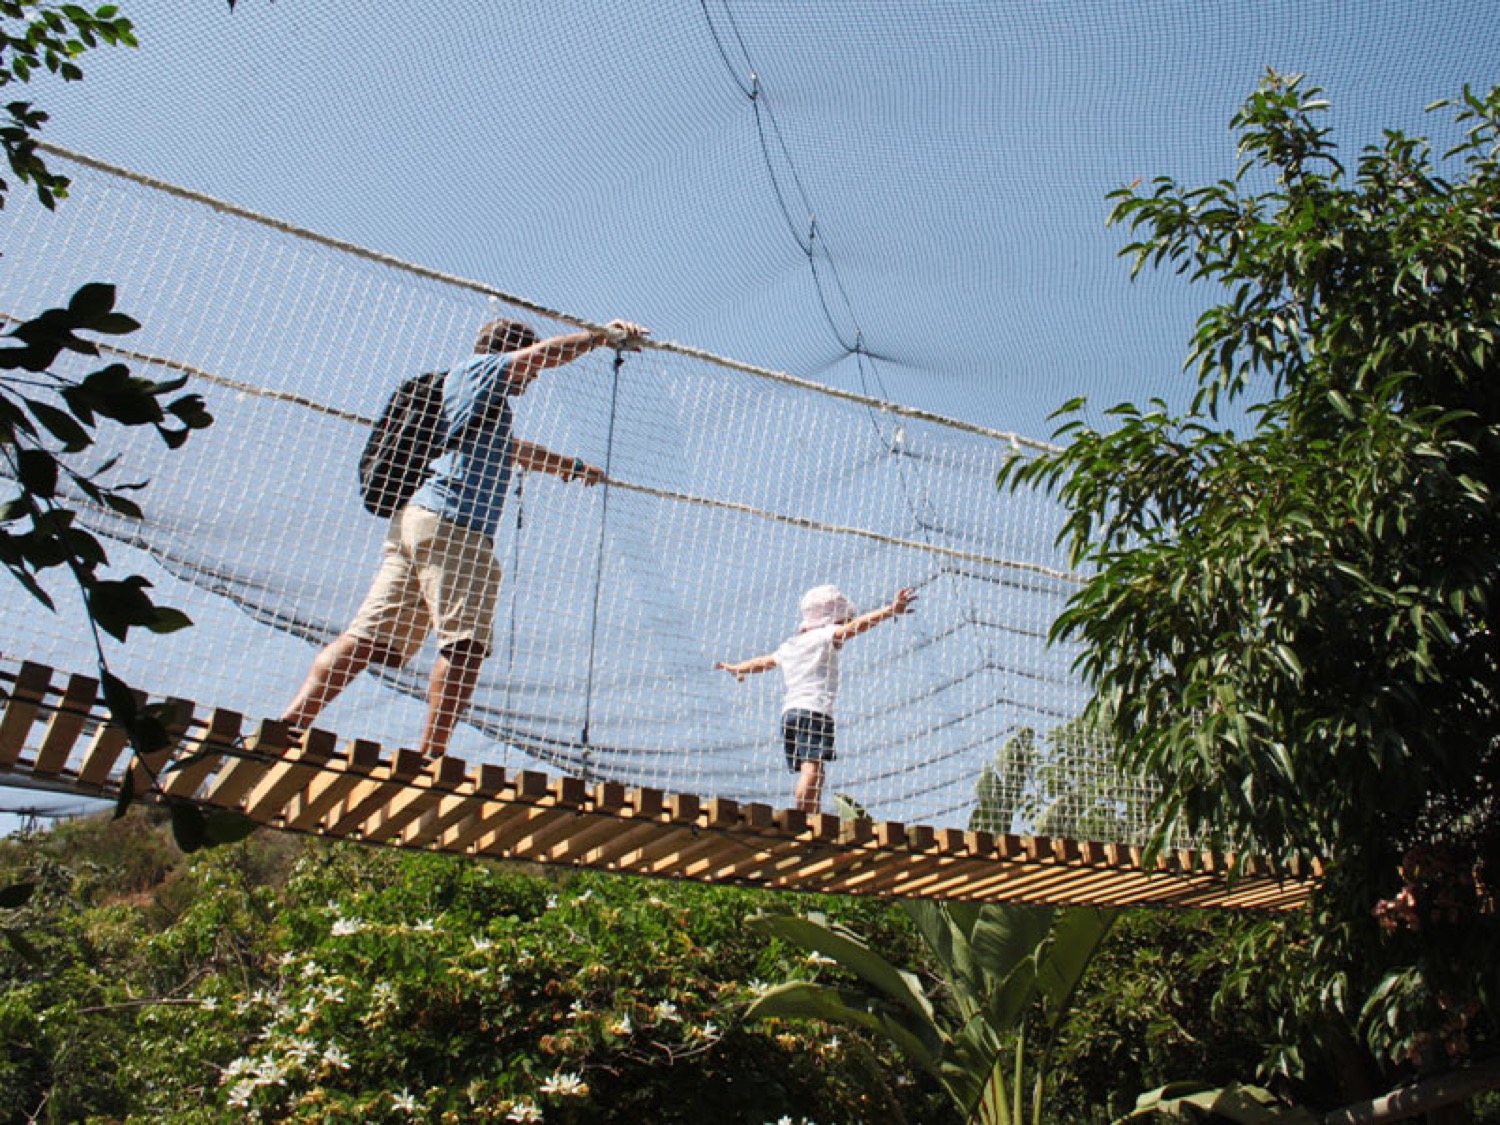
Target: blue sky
{"points": [[951, 161], [604, 159]]}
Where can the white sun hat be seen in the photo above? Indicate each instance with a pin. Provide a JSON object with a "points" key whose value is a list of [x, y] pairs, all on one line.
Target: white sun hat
{"points": [[824, 605]]}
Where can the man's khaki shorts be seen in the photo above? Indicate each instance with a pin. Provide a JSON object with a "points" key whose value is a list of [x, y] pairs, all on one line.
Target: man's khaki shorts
{"points": [[434, 576]]}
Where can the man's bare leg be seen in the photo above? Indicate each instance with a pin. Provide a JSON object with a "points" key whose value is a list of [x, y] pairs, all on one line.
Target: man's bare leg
{"points": [[332, 669], [454, 676], [809, 789]]}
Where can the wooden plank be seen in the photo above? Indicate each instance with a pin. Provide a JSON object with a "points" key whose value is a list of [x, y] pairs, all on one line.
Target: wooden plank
{"points": [[609, 849], [681, 826], [73, 711], [440, 778], [242, 772], [99, 759], [300, 765], [528, 788], [21, 708], [145, 769], [600, 828], [666, 839], [528, 819], [451, 810], [764, 853], [368, 798], [327, 791], [200, 756], [691, 858], [564, 793]]}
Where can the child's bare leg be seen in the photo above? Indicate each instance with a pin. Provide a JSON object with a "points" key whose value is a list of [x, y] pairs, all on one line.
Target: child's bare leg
{"points": [[808, 792]]}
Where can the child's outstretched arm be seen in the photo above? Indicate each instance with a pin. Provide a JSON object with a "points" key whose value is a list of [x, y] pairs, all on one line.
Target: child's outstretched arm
{"points": [[748, 667], [867, 621]]}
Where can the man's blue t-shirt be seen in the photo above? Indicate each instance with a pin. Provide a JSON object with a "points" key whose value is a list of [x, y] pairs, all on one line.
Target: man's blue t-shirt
{"points": [[469, 480]]}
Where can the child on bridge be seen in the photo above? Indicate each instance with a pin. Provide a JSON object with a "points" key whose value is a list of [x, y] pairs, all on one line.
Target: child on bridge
{"points": [[809, 663]]}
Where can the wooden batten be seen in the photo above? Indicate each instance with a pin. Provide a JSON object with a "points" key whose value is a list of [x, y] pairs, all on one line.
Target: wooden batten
{"points": [[21, 709], [366, 799], [327, 791], [440, 779], [199, 756], [300, 764], [310, 785], [73, 712], [242, 772], [146, 769], [430, 827]]}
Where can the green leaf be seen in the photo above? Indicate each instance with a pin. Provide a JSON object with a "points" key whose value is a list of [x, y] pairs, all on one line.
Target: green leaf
{"points": [[16, 895], [845, 948], [61, 425], [23, 948], [92, 301], [194, 828]]}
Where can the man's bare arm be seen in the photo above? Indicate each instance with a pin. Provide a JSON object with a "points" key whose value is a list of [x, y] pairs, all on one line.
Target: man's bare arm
{"points": [[525, 365], [539, 459]]}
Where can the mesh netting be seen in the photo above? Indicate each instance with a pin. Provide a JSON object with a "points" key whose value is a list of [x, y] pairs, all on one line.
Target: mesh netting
{"points": [[730, 492], [897, 201]]}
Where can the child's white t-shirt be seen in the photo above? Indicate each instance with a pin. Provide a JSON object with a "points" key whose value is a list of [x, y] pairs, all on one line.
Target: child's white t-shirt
{"points": [[809, 663]]}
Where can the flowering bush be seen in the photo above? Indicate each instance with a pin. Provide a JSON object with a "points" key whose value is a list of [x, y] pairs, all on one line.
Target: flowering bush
{"points": [[289, 981]]}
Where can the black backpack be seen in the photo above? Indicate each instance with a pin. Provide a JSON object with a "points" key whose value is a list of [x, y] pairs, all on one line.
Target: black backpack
{"points": [[403, 444]]}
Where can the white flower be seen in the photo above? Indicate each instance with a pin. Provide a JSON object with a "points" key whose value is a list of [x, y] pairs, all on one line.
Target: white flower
{"points": [[310, 970], [300, 1050], [565, 1086], [834, 1043], [709, 1030], [239, 1096], [578, 1009], [758, 986], [621, 1026], [209, 1003], [551, 902], [238, 1069], [816, 958], [666, 1010], [481, 944], [425, 926], [405, 1102], [383, 993], [526, 1112], [335, 1058], [332, 994], [346, 926]]}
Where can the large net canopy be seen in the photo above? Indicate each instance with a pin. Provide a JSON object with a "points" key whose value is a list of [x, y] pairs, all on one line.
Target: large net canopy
{"points": [[870, 241]]}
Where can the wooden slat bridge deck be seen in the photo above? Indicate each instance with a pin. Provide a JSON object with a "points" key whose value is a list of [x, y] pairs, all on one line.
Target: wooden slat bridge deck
{"points": [[55, 734]]}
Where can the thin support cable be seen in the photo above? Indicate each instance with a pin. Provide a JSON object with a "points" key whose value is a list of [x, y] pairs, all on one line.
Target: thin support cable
{"points": [[609, 453], [515, 604]]}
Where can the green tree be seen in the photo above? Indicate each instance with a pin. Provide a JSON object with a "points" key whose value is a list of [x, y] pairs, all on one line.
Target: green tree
{"points": [[49, 416], [37, 37], [1294, 629], [1067, 786]]}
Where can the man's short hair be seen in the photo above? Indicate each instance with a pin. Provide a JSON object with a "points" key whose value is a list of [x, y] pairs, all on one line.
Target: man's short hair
{"points": [[501, 337]]}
